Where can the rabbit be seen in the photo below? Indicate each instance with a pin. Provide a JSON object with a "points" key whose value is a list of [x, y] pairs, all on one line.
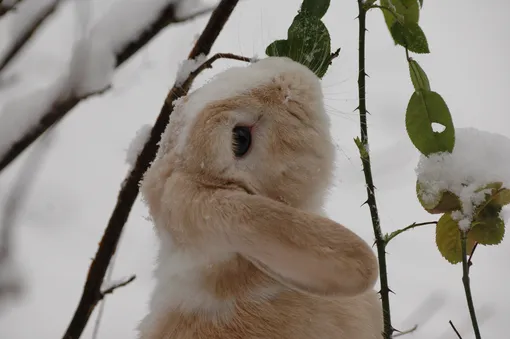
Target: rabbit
{"points": [[236, 194]]}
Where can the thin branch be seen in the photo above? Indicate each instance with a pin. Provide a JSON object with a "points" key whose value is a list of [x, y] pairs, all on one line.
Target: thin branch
{"points": [[389, 237], [26, 35], [112, 288], [467, 287], [60, 109], [4, 9], [470, 262], [455, 330], [130, 189], [367, 170]]}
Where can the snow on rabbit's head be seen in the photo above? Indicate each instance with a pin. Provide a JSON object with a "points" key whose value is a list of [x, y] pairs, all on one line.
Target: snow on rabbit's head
{"points": [[262, 128]]}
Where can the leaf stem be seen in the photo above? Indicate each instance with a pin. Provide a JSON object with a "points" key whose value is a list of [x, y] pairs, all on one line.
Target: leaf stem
{"points": [[393, 234], [467, 287], [365, 159]]}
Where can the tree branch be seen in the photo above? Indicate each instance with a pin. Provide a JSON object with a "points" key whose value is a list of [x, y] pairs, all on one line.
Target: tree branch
{"points": [[130, 189], [367, 170], [60, 109], [4, 9], [27, 34], [114, 286]]}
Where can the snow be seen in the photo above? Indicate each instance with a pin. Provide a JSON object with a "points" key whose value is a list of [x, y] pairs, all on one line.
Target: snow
{"points": [[21, 114], [75, 190], [26, 13], [136, 145], [116, 283], [95, 52], [478, 158], [188, 66]]}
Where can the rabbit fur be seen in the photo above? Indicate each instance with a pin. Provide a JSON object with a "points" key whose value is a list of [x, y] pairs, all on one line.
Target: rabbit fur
{"points": [[245, 249]]}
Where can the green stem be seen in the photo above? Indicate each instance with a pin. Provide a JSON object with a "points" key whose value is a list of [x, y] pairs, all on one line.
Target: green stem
{"points": [[365, 159], [467, 286], [393, 234]]}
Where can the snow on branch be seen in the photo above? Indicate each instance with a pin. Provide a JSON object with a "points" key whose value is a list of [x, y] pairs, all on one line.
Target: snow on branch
{"points": [[7, 5], [29, 18], [113, 285], [94, 59], [129, 191]]}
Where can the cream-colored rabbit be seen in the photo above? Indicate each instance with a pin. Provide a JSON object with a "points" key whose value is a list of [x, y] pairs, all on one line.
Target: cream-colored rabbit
{"points": [[236, 194]]}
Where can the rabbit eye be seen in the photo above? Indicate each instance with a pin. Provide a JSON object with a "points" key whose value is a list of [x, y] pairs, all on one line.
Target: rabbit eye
{"points": [[241, 140]]}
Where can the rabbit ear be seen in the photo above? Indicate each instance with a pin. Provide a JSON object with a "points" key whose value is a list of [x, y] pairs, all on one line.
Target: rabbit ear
{"points": [[301, 250]]}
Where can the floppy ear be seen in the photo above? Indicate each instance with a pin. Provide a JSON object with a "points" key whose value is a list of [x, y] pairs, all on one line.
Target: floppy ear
{"points": [[301, 250]]}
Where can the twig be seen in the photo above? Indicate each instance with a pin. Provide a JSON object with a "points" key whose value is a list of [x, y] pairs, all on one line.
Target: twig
{"points": [[367, 170], [4, 9], [334, 55], [470, 262], [208, 64], [60, 109], [455, 330], [115, 286], [467, 287], [130, 189], [26, 35], [389, 237], [401, 333]]}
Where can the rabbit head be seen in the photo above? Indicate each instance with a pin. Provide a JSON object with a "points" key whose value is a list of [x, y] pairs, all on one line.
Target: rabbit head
{"points": [[242, 163]]}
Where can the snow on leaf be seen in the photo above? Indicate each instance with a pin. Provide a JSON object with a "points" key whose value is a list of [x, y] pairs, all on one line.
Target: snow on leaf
{"points": [[477, 172]]}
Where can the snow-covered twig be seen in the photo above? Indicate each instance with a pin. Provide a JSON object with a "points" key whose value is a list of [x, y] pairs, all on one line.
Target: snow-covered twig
{"points": [[112, 286], [130, 189], [43, 11], [8, 5], [83, 80]]}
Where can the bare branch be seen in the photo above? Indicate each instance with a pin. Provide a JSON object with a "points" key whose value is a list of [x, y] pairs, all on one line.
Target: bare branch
{"points": [[455, 329], [129, 191], [27, 34], [61, 108]]}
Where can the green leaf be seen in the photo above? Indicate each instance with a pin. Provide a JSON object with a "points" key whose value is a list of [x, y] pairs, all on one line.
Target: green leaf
{"points": [[316, 8], [448, 239], [424, 109], [502, 198], [418, 76], [488, 230], [310, 44], [278, 48], [408, 9], [410, 35]]}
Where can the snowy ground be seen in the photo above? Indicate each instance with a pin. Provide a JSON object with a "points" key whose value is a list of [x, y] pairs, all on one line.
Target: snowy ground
{"points": [[76, 187]]}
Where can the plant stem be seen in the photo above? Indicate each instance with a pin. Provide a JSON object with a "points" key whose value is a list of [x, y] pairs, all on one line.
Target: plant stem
{"points": [[365, 160], [389, 237], [467, 287]]}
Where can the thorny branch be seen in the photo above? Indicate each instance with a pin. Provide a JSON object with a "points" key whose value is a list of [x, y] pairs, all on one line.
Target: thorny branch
{"points": [[27, 34], [61, 108], [367, 170], [130, 189]]}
